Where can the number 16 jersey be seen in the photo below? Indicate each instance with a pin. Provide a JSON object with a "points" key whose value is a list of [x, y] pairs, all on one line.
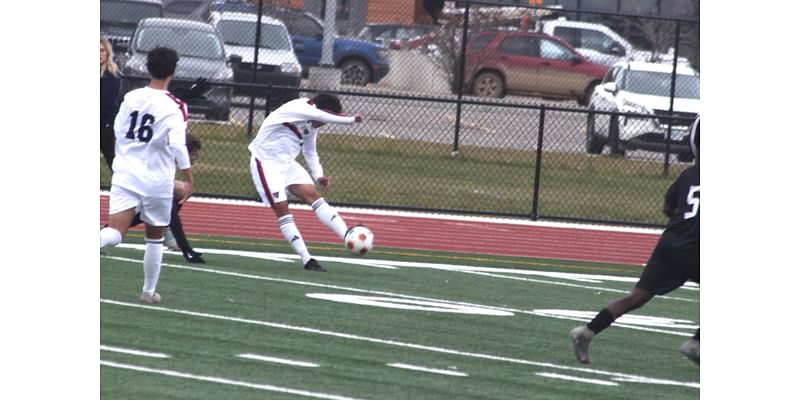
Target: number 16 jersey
{"points": [[148, 122]]}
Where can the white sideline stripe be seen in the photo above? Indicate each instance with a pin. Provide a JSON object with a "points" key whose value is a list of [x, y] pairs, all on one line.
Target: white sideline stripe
{"points": [[576, 379], [342, 335], [214, 379], [431, 370], [278, 360], [322, 285], [449, 217], [133, 352]]}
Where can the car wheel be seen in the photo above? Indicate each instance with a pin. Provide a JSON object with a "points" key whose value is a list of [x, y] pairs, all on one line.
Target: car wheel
{"points": [[488, 84], [354, 72], [685, 156], [587, 95], [613, 137], [594, 144]]}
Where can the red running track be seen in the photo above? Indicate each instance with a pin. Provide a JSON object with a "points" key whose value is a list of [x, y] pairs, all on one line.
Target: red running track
{"points": [[253, 220]]}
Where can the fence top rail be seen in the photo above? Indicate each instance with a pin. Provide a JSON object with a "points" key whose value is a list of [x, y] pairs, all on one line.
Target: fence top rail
{"points": [[581, 11]]}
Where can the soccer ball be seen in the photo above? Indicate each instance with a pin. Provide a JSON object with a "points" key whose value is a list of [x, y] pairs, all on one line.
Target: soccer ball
{"points": [[359, 240]]}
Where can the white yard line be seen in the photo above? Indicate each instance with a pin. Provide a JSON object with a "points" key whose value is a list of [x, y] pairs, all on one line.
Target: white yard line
{"points": [[434, 349], [577, 379], [424, 369], [133, 352], [277, 360], [214, 379]]}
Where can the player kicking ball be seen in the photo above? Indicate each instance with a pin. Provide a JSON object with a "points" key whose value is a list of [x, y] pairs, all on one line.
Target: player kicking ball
{"points": [[287, 131]]}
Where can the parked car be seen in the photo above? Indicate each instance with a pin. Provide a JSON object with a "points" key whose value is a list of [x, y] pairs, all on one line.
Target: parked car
{"points": [[277, 63], [119, 18], [198, 10], [600, 44], [361, 62], [233, 6], [643, 88], [500, 62], [398, 36], [202, 55]]}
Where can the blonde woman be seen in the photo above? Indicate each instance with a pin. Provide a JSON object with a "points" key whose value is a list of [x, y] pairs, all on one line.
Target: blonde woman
{"points": [[109, 99]]}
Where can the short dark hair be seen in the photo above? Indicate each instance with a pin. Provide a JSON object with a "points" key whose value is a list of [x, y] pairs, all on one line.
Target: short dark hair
{"points": [[193, 142], [161, 62], [328, 102]]}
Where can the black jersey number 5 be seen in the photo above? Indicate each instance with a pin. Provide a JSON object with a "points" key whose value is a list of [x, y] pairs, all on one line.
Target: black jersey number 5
{"points": [[693, 200], [145, 131]]}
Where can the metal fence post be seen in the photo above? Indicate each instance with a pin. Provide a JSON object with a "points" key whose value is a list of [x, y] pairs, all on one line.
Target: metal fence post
{"points": [[537, 172], [256, 46], [460, 76], [672, 94]]}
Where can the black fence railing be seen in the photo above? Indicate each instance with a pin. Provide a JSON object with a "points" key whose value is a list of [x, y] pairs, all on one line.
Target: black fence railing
{"points": [[599, 149]]}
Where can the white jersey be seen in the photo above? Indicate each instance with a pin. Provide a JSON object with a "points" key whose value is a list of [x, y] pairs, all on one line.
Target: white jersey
{"points": [[288, 130], [149, 129]]}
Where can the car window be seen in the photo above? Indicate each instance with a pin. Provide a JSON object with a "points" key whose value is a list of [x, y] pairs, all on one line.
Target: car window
{"points": [[301, 25], [619, 78], [519, 45], [554, 50], [188, 43], [610, 75], [386, 34], [482, 41], [182, 7], [597, 41], [660, 84], [243, 33], [569, 35], [128, 12]]}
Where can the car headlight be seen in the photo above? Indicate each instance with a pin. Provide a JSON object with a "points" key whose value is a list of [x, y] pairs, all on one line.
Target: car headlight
{"points": [[224, 74], [291, 68], [383, 52], [136, 67]]}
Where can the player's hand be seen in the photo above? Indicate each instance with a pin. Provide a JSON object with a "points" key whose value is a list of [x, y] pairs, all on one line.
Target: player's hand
{"points": [[187, 192], [325, 182], [198, 88], [358, 117]]}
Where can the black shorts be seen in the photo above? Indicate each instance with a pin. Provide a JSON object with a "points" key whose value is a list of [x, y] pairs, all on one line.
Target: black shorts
{"points": [[669, 267]]}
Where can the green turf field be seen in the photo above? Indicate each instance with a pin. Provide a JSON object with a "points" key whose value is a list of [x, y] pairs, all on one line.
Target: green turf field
{"points": [[397, 324]]}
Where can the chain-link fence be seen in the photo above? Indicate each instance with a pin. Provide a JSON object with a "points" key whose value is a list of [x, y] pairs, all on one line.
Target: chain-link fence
{"points": [[554, 118]]}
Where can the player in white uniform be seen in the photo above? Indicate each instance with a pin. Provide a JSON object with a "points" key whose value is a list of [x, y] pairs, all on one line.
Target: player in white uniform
{"points": [[150, 131], [286, 132]]}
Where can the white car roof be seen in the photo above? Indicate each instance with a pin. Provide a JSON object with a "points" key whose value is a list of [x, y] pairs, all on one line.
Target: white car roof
{"points": [[656, 67], [240, 16]]}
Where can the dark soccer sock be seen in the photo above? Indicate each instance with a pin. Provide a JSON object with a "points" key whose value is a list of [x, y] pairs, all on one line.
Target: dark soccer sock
{"points": [[601, 321], [697, 335]]}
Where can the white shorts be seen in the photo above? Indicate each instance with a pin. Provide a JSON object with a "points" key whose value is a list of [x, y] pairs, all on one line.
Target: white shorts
{"points": [[272, 178], [155, 211]]}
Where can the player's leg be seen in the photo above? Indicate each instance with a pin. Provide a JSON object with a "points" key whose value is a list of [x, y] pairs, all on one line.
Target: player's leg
{"points": [[156, 215], [324, 212], [121, 210], [270, 183]]}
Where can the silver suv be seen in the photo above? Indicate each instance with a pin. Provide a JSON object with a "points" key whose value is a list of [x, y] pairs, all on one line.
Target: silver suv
{"points": [[202, 55]]}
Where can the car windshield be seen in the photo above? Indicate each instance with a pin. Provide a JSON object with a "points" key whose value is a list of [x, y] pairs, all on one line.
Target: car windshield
{"points": [[128, 11], [187, 42], [243, 33], [659, 84]]}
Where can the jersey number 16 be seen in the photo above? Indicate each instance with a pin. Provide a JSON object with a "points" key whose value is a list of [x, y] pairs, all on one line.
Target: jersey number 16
{"points": [[145, 131]]}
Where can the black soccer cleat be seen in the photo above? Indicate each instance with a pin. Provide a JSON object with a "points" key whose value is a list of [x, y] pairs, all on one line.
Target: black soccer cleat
{"points": [[313, 265]]}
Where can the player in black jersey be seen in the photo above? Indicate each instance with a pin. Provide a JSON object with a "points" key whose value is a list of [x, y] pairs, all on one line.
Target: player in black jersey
{"points": [[675, 259]]}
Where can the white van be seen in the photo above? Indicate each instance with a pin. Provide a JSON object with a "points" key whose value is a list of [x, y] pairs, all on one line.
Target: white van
{"points": [[277, 63]]}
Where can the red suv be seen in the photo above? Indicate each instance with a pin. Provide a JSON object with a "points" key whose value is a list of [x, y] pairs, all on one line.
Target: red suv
{"points": [[500, 62]]}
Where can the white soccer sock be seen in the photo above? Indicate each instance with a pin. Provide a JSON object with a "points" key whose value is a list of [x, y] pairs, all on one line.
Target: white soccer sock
{"points": [[329, 217], [109, 237], [292, 235], [153, 254]]}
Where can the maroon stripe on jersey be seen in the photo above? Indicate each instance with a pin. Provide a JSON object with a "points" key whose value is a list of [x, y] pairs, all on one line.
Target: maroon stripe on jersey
{"points": [[294, 129], [264, 183], [181, 105], [326, 110]]}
